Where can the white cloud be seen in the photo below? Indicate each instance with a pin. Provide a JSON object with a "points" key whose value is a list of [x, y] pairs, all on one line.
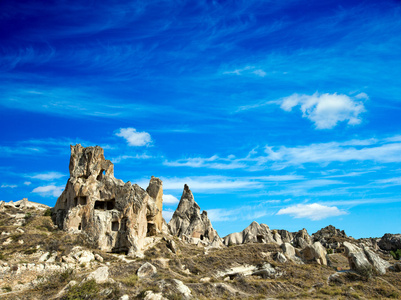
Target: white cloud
{"points": [[11, 186], [27, 183], [48, 176], [248, 70], [326, 110], [246, 212], [134, 138], [312, 211], [167, 214], [120, 158], [169, 199], [48, 190]]}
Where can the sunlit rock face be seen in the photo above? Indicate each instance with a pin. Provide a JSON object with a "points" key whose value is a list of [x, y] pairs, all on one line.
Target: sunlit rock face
{"points": [[188, 223], [115, 216]]}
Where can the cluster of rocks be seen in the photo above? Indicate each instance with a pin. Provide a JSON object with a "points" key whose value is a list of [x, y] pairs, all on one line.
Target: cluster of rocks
{"points": [[22, 204], [117, 216]]}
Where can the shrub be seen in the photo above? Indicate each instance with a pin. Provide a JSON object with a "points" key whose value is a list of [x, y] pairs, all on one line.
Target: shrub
{"points": [[86, 290], [396, 254], [7, 288], [47, 213], [329, 251], [130, 280]]}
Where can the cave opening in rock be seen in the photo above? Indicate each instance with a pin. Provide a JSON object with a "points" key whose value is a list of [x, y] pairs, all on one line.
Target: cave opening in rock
{"points": [[99, 204], [114, 226], [111, 204]]}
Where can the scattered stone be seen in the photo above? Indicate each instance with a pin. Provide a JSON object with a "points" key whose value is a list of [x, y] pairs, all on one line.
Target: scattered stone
{"points": [[101, 275], [182, 288], [150, 295], [280, 257], [124, 297], [98, 258], [146, 270], [19, 230], [171, 245]]}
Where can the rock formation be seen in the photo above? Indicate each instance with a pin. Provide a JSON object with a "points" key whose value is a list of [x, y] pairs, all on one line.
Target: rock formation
{"points": [[188, 223], [254, 233], [23, 204], [330, 237], [363, 260], [390, 242], [315, 253], [115, 216]]}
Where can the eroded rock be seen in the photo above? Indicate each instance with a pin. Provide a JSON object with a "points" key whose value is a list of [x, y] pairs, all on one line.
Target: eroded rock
{"points": [[115, 216], [146, 270], [188, 223], [254, 233]]}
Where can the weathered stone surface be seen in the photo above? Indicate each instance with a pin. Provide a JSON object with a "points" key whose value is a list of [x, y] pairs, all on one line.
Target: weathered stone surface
{"points": [[390, 242], [188, 223], [100, 275], [264, 270], [378, 263], [155, 205], [146, 270], [112, 214], [314, 253], [362, 260], [280, 257], [301, 239], [288, 250], [254, 233], [150, 295], [329, 237], [23, 204]]}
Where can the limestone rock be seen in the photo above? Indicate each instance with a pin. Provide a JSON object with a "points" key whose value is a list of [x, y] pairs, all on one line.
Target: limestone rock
{"points": [[254, 233], [302, 239], [329, 237], [378, 263], [314, 253], [390, 242], [188, 223], [112, 214], [288, 250], [155, 205], [285, 235], [23, 204], [101, 275], [150, 295], [146, 270], [363, 260], [280, 257]]}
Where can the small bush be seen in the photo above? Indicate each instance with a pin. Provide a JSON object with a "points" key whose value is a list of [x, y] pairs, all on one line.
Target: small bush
{"points": [[130, 280], [396, 254], [366, 272], [7, 288], [329, 251], [27, 216], [86, 290], [47, 213]]}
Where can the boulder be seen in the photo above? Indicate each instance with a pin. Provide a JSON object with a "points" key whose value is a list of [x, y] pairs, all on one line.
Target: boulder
{"points": [[146, 270], [301, 239], [390, 242], [288, 250], [100, 275], [364, 260], [188, 223], [314, 253], [254, 233], [280, 257], [329, 237], [114, 216]]}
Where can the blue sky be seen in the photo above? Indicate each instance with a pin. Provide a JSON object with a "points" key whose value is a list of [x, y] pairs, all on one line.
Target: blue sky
{"points": [[283, 112]]}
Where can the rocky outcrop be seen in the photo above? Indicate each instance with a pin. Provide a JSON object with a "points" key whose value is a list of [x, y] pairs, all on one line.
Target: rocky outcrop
{"points": [[301, 239], [390, 242], [23, 204], [363, 260], [155, 206], [188, 223], [115, 216], [315, 253], [254, 233], [330, 237]]}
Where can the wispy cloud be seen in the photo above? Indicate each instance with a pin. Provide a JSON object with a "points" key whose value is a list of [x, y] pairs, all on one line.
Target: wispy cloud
{"points": [[246, 212], [377, 150], [11, 186], [48, 176], [48, 190], [135, 138], [248, 70], [326, 110], [312, 211], [120, 158]]}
